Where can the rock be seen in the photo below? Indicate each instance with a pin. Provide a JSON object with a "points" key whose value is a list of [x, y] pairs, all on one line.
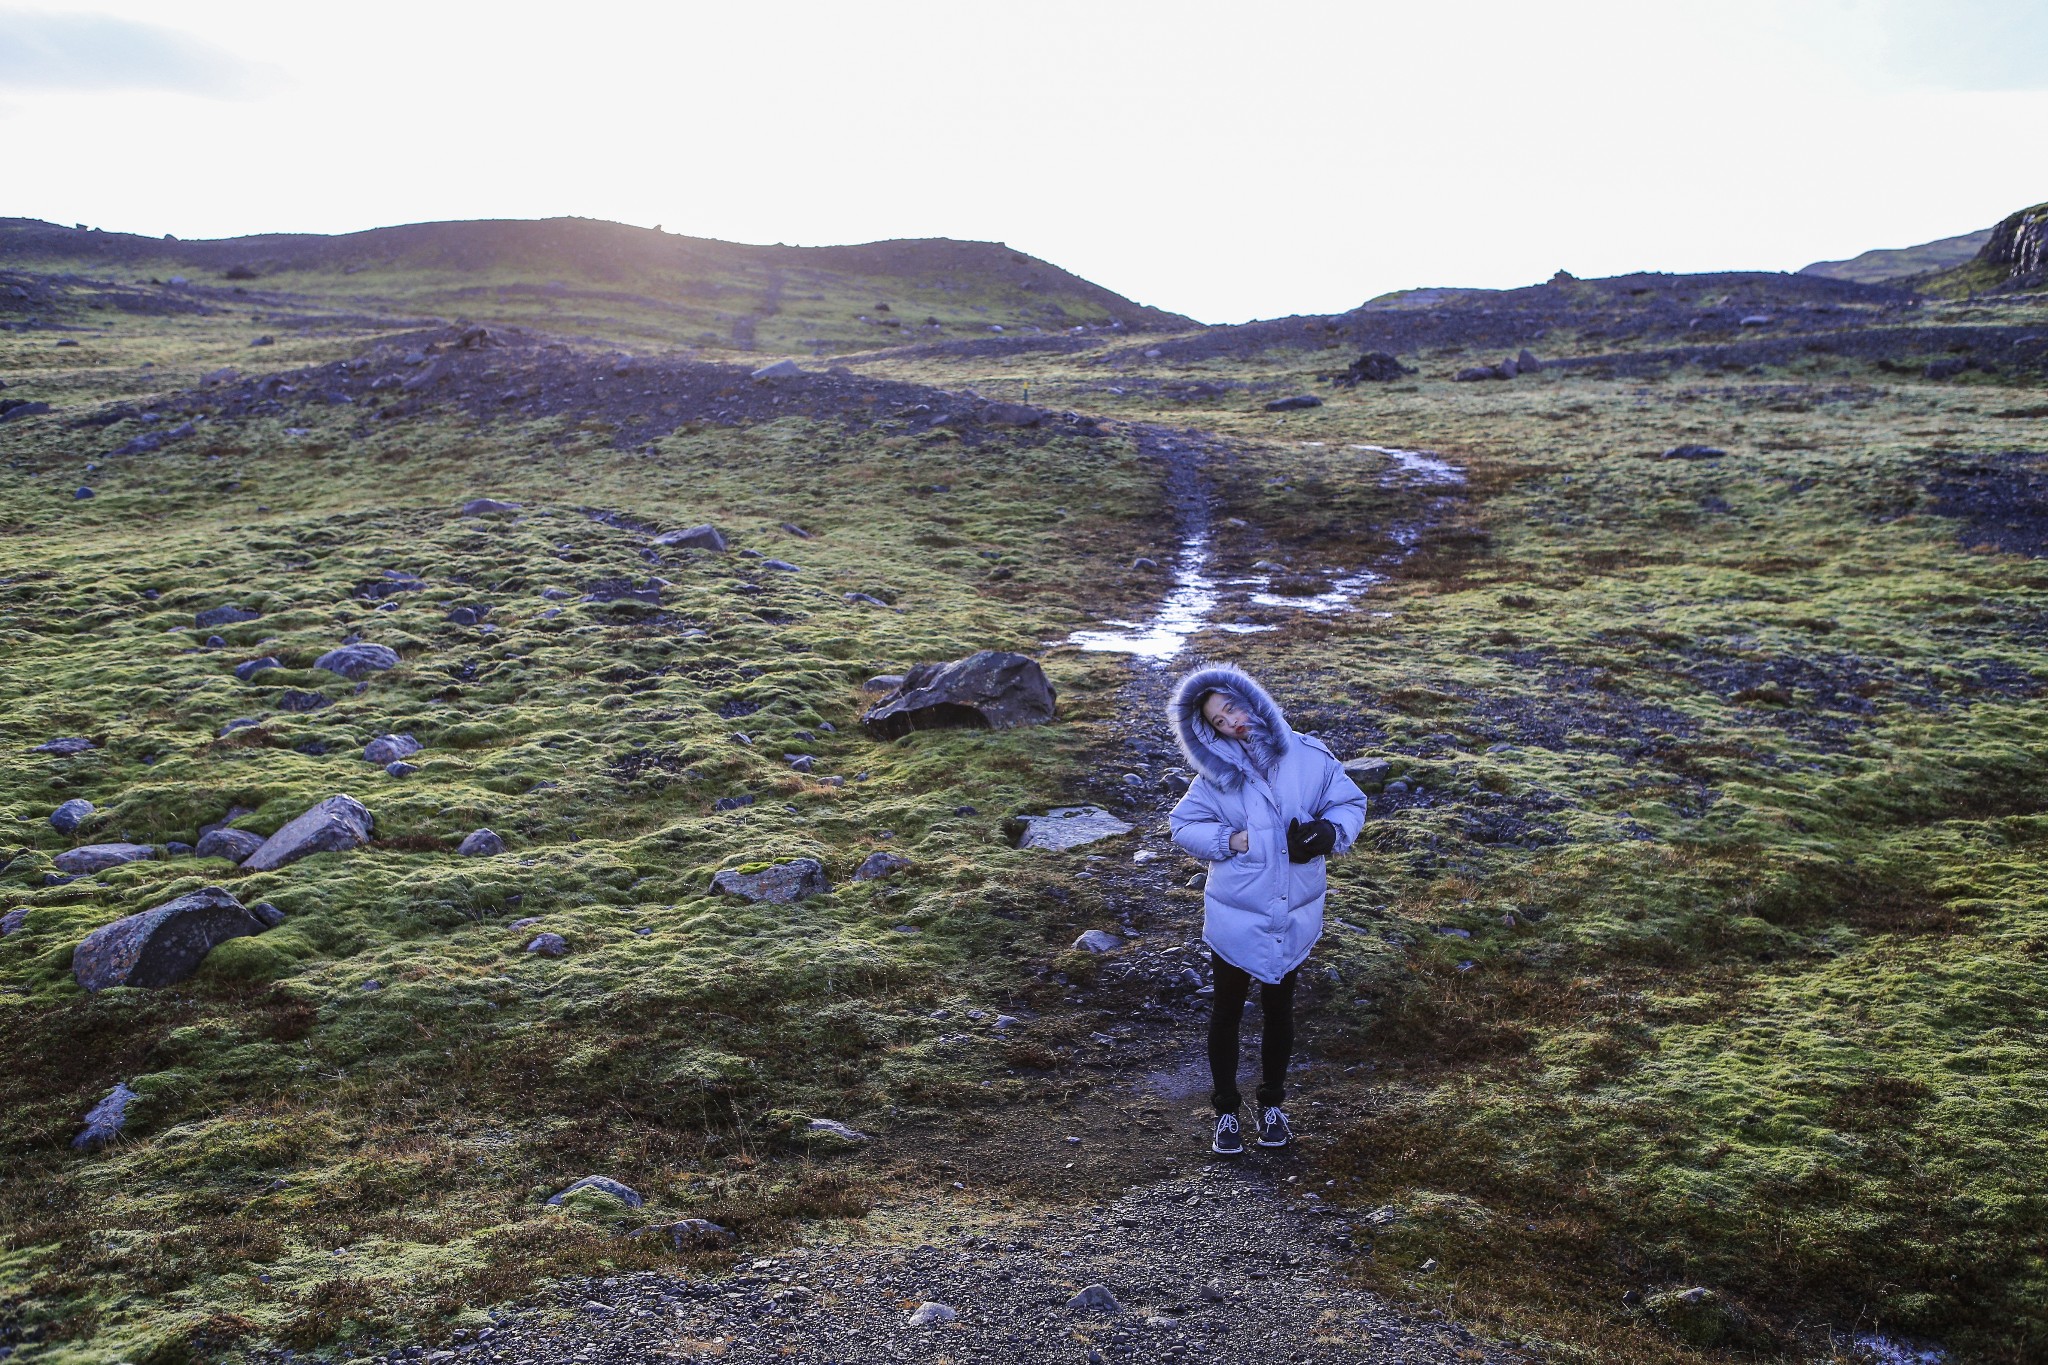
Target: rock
{"points": [[357, 661], [802, 763], [481, 843], [174, 849], [232, 844], [80, 862], [1145, 564], [487, 507], [462, 616], [777, 370], [227, 614], [880, 864], [780, 883], [246, 671], [81, 493], [1701, 1317], [67, 747], [1295, 404], [624, 590], [782, 564], [21, 407], [1369, 773], [299, 702], [262, 340], [268, 913], [11, 922], [1694, 453], [104, 1121], [162, 946], [339, 822], [518, 924], [725, 803], [1012, 415], [1375, 367], [799, 532], [992, 689], [238, 723], [548, 945], [1065, 827], [883, 683], [399, 769], [603, 1184], [832, 1130], [861, 599], [1213, 1292], [704, 537], [1527, 362], [1479, 372], [931, 1313], [1096, 1298], [687, 1233], [1757, 320], [388, 749], [70, 815], [1099, 941]]}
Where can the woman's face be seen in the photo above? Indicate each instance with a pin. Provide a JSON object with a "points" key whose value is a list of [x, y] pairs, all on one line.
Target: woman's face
{"points": [[1230, 720]]}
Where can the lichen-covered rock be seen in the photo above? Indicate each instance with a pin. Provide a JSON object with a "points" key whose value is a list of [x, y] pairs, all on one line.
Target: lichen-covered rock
{"points": [[1065, 827], [162, 946], [105, 1120], [339, 822], [358, 660], [704, 537], [880, 864], [1098, 941], [70, 815], [548, 945], [388, 749], [992, 689], [832, 1131], [1096, 1298], [232, 844], [1369, 773], [1701, 1317], [481, 843], [602, 1184], [779, 882], [227, 614], [687, 1233], [99, 857]]}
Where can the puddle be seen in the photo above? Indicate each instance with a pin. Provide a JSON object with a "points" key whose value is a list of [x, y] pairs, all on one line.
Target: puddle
{"points": [[1872, 1349], [1415, 466], [1185, 612]]}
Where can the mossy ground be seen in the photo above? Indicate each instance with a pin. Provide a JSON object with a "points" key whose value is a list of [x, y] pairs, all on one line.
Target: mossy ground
{"points": [[1710, 949]]}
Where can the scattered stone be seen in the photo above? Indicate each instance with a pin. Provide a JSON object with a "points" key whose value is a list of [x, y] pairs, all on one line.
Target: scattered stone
{"points": [[81, 862], [227, 614], [357, 661], [104, 1121], [164, 945], [880, 864], [486, 507], [832, 1130], [400, 769], [802, 763], [238, 723], [527, 923], [67, 747], [777, 370], [1690, 452], [1369, 773], [548, 945], [799, 532], [1527, 362], [1012, 415], [687, 1233], [268, 913], [481, 843], [603, 1184], [861, 599], [1145, 564], [781, 564], [1475, 373], [81, 493], [725, 803], [388, 749], [1375, 367], [299, 702], [704, 537], [1701, 1317], [246, 671], [1065, 827], [265, 340], [780, 883], [624, 590], [883, 682], [232, 844], [1096, 1298], [373, 984], [1295, 404], [70, 815], [1098, 941], [1757, 320], [932, 1313], [339, 822], [992, 689]]}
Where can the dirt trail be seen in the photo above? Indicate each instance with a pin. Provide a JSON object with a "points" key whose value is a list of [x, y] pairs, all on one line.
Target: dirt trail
{"points": [[1006, 1213]]}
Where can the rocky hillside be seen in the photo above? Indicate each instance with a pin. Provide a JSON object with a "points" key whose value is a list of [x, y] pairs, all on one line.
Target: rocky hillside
{"points": [[2014, 258], [580, 274], [1884, 265]]}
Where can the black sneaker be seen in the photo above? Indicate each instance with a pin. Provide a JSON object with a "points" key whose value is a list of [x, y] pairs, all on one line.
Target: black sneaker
{"points": [[1273, 1132], [1229, 1141]]}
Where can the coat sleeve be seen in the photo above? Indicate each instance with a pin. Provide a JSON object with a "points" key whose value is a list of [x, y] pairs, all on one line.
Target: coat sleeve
{"points": [[1341, 803], [1198, 827]]}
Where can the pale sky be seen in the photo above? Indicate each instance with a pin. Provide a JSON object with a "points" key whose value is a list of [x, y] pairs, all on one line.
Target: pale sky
{"points": [[1227, 161]]}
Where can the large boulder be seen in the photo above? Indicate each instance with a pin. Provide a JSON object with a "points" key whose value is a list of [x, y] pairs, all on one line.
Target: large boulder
{"points": [[161, 947], [481, 843], [992, 690], [71, 815], [358, 660], [99, 857], [337, 823], [232, 844], [777, 882]]}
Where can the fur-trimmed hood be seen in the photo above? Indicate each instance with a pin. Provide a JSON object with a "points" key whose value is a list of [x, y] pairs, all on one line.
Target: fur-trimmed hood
{"points": [[1222, 760]]}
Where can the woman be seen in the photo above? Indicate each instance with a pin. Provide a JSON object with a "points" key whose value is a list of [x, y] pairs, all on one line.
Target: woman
{"points": [[1267, 807]]}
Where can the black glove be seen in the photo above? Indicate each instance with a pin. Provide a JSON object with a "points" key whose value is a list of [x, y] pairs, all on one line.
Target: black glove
{"points": [[1306, 843]]}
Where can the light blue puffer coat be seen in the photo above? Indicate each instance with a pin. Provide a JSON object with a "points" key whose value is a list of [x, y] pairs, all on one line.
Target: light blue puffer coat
{"points": [[1260, 912]]}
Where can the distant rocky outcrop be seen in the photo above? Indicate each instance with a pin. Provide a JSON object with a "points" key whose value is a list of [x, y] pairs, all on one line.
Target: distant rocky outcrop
{"points": [[2019, 248], [992, 690], [162, 946]]}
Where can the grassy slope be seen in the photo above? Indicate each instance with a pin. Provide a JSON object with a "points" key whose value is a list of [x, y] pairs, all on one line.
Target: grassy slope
{"points": [[1768, 1018], [1883, 265]]}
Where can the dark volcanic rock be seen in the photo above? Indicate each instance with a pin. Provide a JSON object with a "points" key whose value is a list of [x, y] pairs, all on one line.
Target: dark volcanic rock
{"points": [[70, 815], [104, 1121], [339, 822], [1376, 367], [1694, 453], [163, 946], [780, 883], [880, 864], [1294, 404], [356, 661], [246, 671], [992, 690], [99, 857], [297, 701], [623, 590], [227, 614], [481, 843], [232, 844], [67, 747]]}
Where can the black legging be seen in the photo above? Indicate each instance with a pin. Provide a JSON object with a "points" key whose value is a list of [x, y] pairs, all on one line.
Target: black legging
{"points": [[1276, 1044]]}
